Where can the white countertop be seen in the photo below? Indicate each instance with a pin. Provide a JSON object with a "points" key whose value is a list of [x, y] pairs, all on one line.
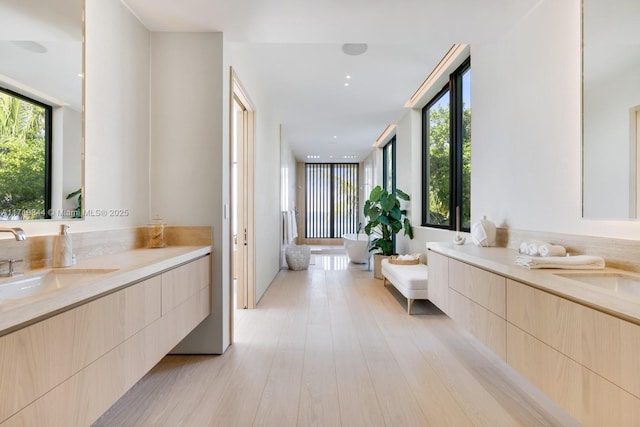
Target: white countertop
{"points": [[502, 261], [129, 266]]}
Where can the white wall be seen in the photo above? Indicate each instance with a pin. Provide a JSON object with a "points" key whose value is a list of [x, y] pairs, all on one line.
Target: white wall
{"points": [[287, 175], [526, 123], [288, 183], [71, 156], [188, 148]]}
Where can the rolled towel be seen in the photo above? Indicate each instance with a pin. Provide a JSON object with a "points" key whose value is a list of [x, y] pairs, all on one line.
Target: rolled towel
{"points": [[524, 248], [548, 249], [578, 262], [533, 248]]}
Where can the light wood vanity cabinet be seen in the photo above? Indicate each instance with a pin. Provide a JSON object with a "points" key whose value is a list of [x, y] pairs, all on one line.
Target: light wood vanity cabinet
{"points": [[588, 397], [477, 303], [438, 286], [68, 369], [584, 359]]}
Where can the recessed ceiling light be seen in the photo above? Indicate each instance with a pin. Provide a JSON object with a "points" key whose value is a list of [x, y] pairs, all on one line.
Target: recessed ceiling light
{"points": [[335, 136], [313, 156], [354, 49], [346, 84], [348, 76]]}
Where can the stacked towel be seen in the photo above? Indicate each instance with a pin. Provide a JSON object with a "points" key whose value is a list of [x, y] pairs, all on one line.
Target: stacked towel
{"points": [[541, 249], [578, 262]]}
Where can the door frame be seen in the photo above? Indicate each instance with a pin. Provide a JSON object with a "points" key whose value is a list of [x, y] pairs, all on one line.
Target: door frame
{"points": [[247, 216]]}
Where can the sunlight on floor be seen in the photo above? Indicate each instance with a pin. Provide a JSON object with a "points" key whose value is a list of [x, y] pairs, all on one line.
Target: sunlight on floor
{"points": [[333, 262]]}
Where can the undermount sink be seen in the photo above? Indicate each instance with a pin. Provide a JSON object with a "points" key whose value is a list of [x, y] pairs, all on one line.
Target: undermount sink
{"points": [[31, 284], [619, 283]]}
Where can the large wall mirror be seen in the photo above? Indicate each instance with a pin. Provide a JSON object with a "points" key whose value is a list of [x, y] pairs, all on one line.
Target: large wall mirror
{"points": [[611, 109], [41, 109]]}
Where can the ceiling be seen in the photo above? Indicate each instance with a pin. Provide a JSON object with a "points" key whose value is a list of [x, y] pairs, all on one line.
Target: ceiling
{"points": [[296, 45]]}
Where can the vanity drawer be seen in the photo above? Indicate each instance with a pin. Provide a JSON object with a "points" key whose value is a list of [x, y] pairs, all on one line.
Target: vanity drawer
{"points": [[480, 286], [489, 328], [587, 396], [181, 283], [43, 355], [438, 288], [603, 343]]}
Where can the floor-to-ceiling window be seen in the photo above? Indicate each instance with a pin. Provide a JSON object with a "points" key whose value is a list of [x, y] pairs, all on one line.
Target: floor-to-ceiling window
{"points": [[331, 199], [446, 137]]}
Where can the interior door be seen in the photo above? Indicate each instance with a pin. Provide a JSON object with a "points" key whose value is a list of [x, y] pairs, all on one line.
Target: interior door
{"points": [[239, 205]]}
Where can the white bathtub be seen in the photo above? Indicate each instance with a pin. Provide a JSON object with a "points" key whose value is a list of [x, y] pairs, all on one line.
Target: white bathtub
{"points": [[357, 246]]}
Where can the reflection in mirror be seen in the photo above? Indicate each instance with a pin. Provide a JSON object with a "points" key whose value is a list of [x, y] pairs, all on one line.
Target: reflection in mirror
{"points": [[611, 109], [41, 114]]}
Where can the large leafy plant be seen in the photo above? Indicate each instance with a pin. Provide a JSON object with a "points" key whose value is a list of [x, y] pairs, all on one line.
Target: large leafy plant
{"points": [[385, 219]]}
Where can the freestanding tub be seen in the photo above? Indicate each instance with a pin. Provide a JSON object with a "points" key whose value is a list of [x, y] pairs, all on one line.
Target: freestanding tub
{"points": [[357, 246]]}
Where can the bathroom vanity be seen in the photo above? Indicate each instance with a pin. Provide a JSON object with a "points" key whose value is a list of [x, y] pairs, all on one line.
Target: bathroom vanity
{"points": [[66, 355], [577, 342]]}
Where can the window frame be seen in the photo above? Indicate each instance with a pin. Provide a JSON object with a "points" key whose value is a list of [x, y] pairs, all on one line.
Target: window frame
{"points": [[456, 139], [48, 144], [389, 147]]}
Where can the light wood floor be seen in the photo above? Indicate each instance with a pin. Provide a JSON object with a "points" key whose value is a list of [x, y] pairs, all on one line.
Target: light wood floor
{"points": [[336, 348]]}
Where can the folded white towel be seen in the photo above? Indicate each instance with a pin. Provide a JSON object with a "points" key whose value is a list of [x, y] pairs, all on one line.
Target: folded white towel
{"points": [[548, 249], [578, 262]]}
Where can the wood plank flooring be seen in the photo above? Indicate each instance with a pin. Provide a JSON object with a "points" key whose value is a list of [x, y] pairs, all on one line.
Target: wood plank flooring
{"points": [[331, 346]]}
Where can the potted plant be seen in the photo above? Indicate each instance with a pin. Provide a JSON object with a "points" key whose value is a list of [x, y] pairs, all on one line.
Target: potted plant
{"points": [[77, 212], [385, 219]]}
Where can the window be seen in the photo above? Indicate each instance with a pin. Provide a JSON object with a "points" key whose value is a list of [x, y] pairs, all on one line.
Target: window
{"points": [[331, 199], [446, 153], [25, 157], [389, 166]]}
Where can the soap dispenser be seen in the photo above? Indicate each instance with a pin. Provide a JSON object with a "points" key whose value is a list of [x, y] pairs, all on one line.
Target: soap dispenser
{"points": [[62, 250]]}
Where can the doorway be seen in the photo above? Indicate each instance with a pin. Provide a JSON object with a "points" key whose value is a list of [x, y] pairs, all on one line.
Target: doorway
{"points": [[242, 256]]}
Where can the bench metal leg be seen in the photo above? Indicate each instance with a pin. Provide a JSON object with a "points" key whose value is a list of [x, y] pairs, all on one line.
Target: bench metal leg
{"points": [[409, 304]]}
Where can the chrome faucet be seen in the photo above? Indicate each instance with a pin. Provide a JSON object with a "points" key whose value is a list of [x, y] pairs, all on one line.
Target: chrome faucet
{"points": [[17, 232], [12, 272]]}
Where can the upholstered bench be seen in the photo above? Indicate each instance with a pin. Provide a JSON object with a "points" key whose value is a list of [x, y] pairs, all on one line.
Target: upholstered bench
{"points": [[409, 280]]}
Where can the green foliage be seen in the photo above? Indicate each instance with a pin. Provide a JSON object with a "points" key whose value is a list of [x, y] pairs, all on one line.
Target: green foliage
{"points": [[22, 158], [386, 218], [77, 212], [440, 166]]}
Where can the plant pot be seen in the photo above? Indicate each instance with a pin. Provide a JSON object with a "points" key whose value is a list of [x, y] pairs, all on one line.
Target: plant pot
{"points": [[377, 267]]}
